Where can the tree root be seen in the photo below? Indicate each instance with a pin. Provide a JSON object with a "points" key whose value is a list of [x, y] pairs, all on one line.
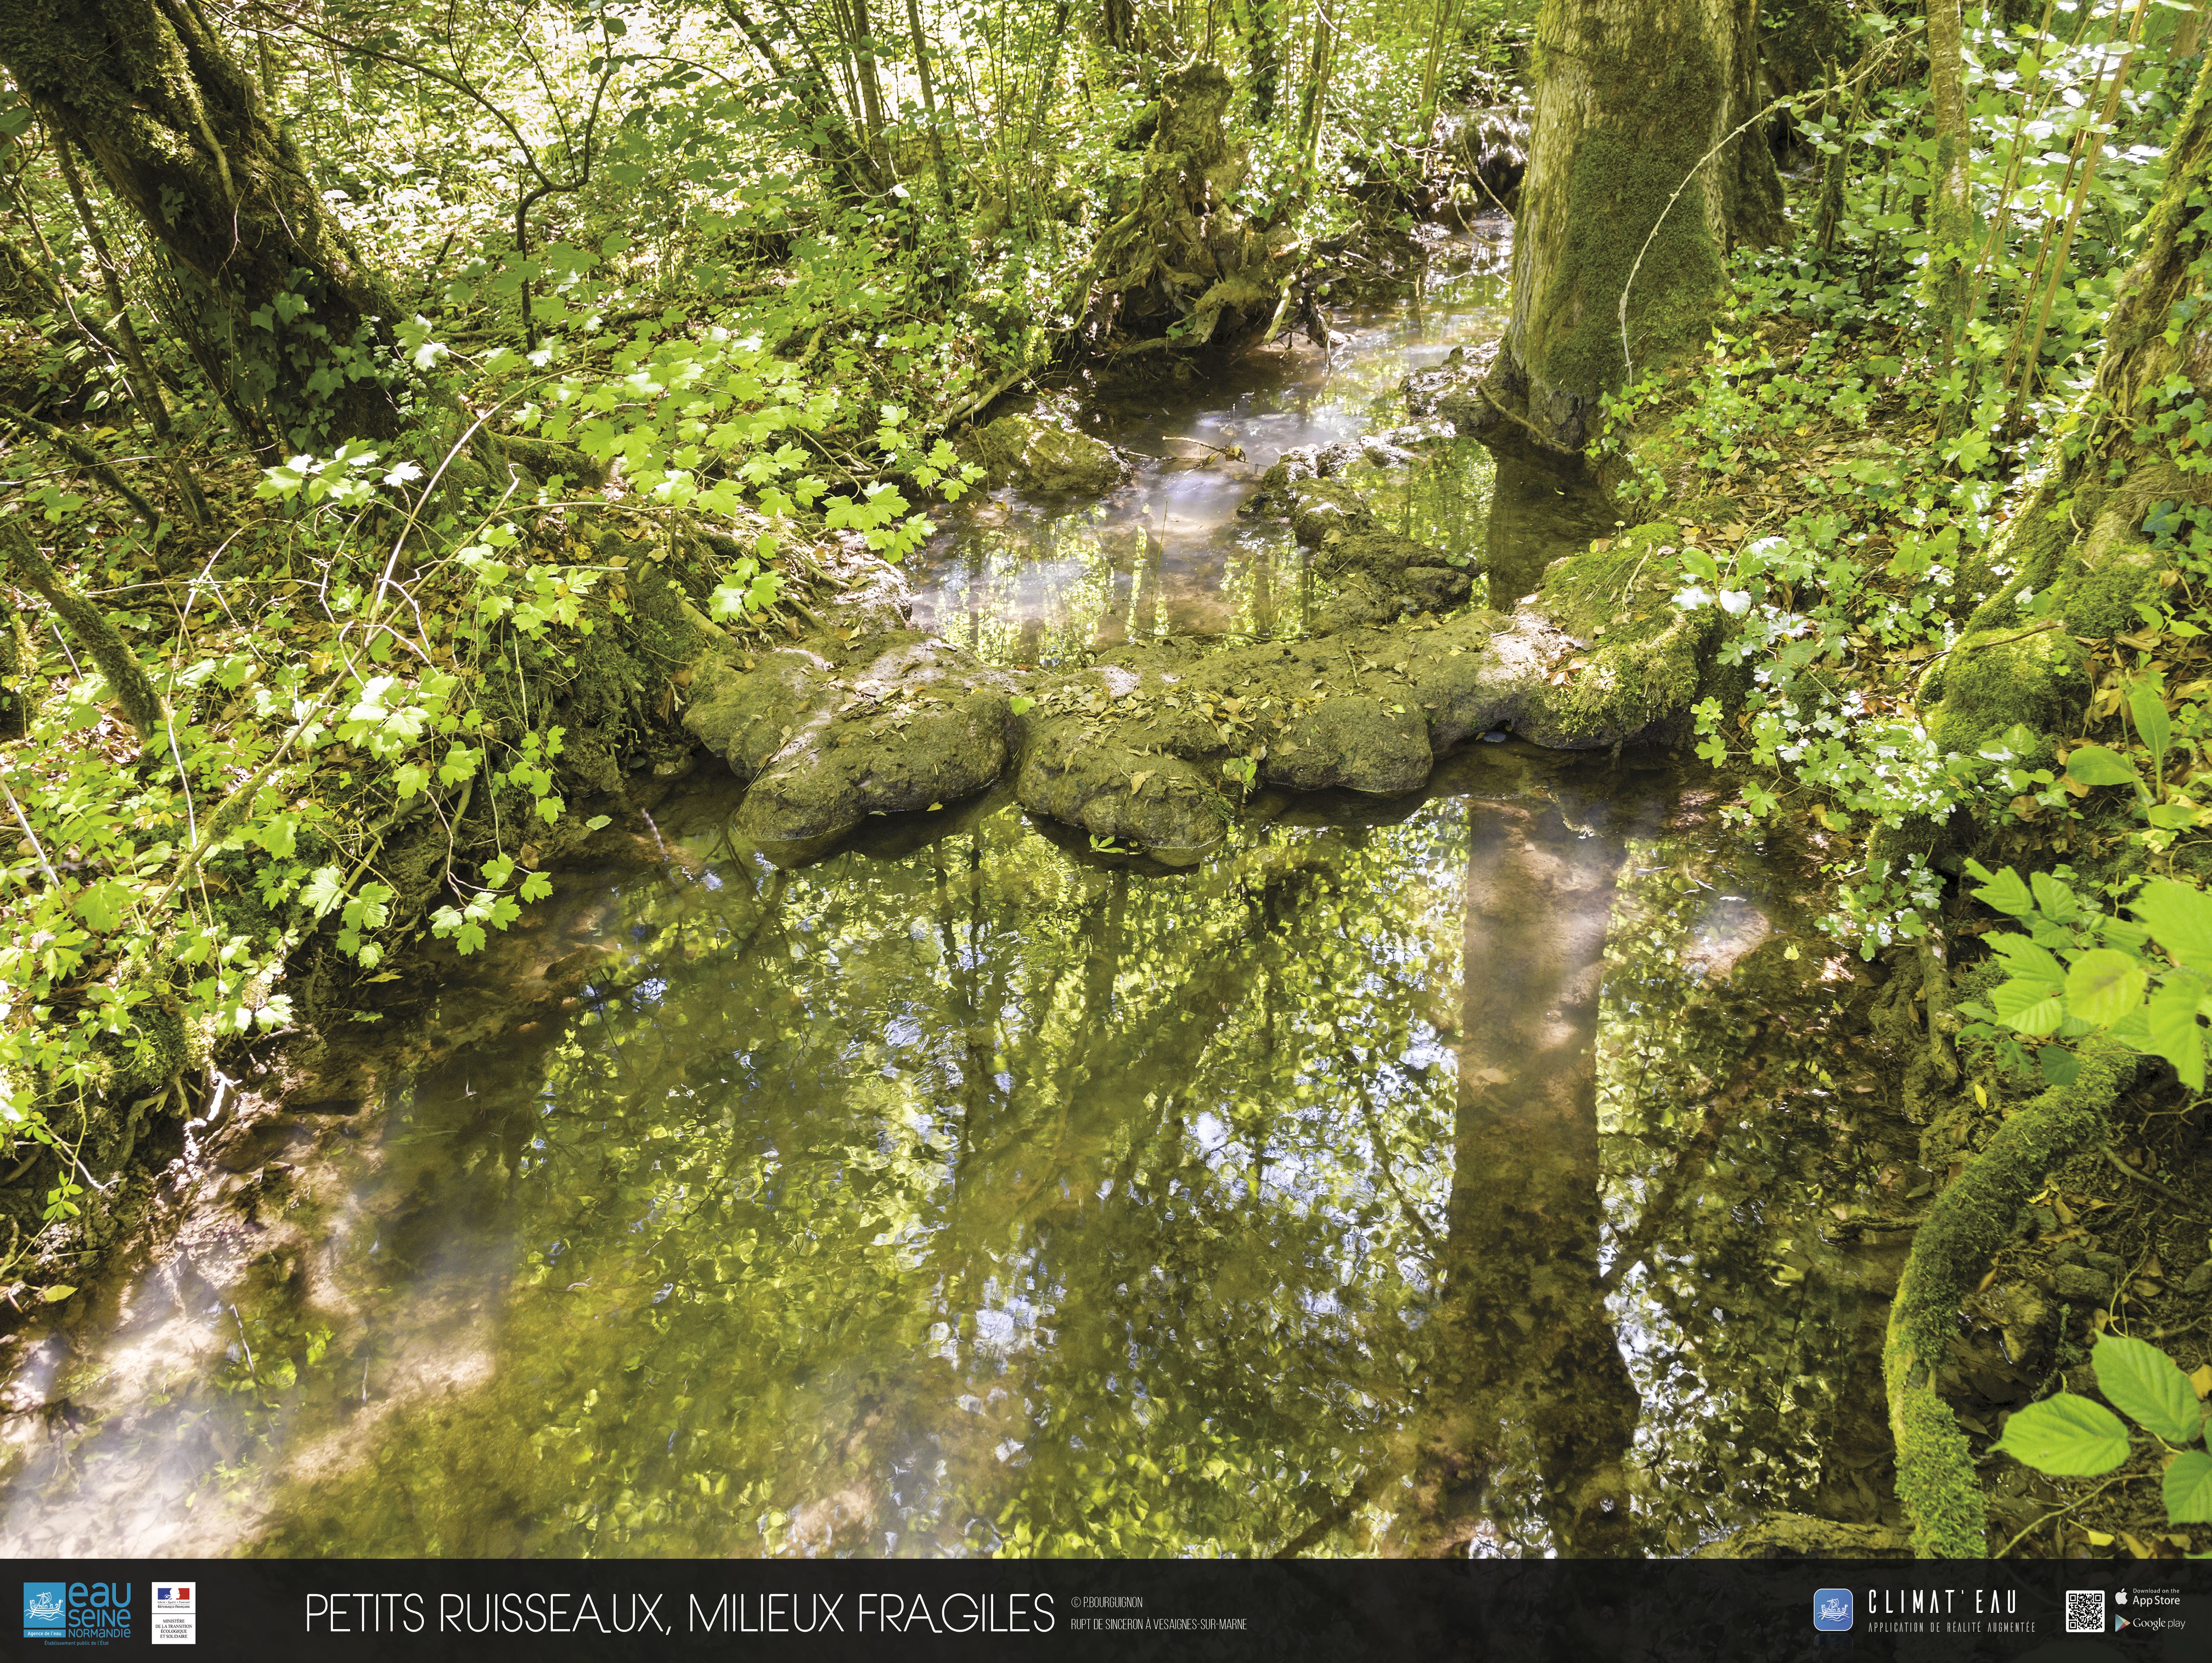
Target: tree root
{"points": [[1801, 1536], [1968, 1222], [141, 705]]}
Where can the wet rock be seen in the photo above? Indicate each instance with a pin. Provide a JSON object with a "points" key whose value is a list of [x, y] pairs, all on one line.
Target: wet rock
{"points": [[948, 750], [1031, 451], [1307, 462], [830, 732], [1319, 507], [1452, 391], [1377, 451], [2110, 1263], [1073, 775], [2198, 1281], [1399, 575], [748, 718], [1354, 745], [2081, 1284]]}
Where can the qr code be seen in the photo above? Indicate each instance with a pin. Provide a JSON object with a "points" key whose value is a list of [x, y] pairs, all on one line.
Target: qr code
{"points": [[2085, 1612]]}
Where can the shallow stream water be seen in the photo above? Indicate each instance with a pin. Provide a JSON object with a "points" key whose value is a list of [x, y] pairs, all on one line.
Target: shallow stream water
{"points": [[1473, 1173]]}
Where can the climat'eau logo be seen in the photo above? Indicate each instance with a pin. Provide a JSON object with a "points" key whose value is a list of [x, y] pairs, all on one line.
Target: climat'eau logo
{"points": [[1831, 1611], [77, 1611]]}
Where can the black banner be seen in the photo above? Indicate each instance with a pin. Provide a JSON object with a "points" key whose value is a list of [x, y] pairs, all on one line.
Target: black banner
{"points": [[1124, 1609]]}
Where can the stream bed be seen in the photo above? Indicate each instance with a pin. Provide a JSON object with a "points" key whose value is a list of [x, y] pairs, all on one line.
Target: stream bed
{"points": [[1481, 1172]]}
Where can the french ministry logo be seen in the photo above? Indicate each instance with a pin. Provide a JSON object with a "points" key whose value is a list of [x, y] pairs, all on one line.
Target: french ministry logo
{"points": [[1831, 1611], [176, 1614]]}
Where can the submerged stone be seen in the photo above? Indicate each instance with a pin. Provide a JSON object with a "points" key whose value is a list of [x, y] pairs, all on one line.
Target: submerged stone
{"points": [[1030, 451]]}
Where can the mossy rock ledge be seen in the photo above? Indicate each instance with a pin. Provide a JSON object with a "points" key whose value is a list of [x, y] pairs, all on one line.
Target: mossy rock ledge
{"points": [[856, 720]]}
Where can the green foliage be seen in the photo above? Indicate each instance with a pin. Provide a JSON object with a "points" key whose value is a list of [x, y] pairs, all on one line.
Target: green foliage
{"points": [[2080, 971], [2069, 1435]]}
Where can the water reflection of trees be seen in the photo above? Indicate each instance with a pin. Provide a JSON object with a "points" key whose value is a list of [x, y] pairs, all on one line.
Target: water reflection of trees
{"points": [[986, 1198]]}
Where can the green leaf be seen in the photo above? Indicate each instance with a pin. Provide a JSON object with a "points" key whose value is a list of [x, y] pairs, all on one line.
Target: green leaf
{"points": [[2104, 986], [2180, 919], [2066, 1436], [57, 1293], [2032, 1008], [2151, 720], [2056, 901], [2006, 893], [2187, 1487], [2093, 765], [103, 905], [2147, 1385], [2024, 958], [2174, 1034], [2061, 1067]]}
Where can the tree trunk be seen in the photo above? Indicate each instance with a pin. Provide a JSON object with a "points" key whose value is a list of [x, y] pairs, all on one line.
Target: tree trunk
{"points": [[2189, 32], [293, 328], [1638, 184], [1950, 209]]}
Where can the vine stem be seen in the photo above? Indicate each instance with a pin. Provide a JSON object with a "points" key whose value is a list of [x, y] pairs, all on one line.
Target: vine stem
{"points": [[1628, 365]]}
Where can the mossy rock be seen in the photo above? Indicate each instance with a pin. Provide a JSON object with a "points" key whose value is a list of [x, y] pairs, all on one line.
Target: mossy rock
{"points": [[1646, 658], [1318, 507], [2000, 678], [1028, 450], [1357, 743], [2102, 600]]}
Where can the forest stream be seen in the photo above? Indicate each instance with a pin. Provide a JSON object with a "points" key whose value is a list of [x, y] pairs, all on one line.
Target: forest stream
{"points": [[1487, 1171]]}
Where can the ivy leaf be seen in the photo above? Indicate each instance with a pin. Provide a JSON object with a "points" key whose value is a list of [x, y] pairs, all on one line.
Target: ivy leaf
{"points": [[2180, 919], [323, 891], [2093, 765], [103, 905], [2144, 1384], [2032, 1008], [2174, 1034], [2066, 1436], [2104, 986], [2187, 1488]]}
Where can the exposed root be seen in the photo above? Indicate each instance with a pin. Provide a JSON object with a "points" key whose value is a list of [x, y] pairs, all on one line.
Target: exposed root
{"points": [[1801, 1536], [1968, 1222]]}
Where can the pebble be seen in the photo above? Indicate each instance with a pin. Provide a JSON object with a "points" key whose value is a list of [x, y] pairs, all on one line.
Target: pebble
{"points": [[2076, 1283]]}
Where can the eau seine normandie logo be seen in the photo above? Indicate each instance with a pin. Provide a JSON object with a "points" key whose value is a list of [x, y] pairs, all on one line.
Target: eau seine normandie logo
{"points": [[1831, 1611], [76, 1612]]}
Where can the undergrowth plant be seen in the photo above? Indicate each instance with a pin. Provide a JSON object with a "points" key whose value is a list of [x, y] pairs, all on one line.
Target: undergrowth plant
{"points": [[2071, 1436]]}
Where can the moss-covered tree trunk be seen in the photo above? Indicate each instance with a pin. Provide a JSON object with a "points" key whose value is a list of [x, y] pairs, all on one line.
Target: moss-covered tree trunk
{"points": [[1950, 207], [1182, 267], [1636, 167], [291, 324], [2075, 553]]}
